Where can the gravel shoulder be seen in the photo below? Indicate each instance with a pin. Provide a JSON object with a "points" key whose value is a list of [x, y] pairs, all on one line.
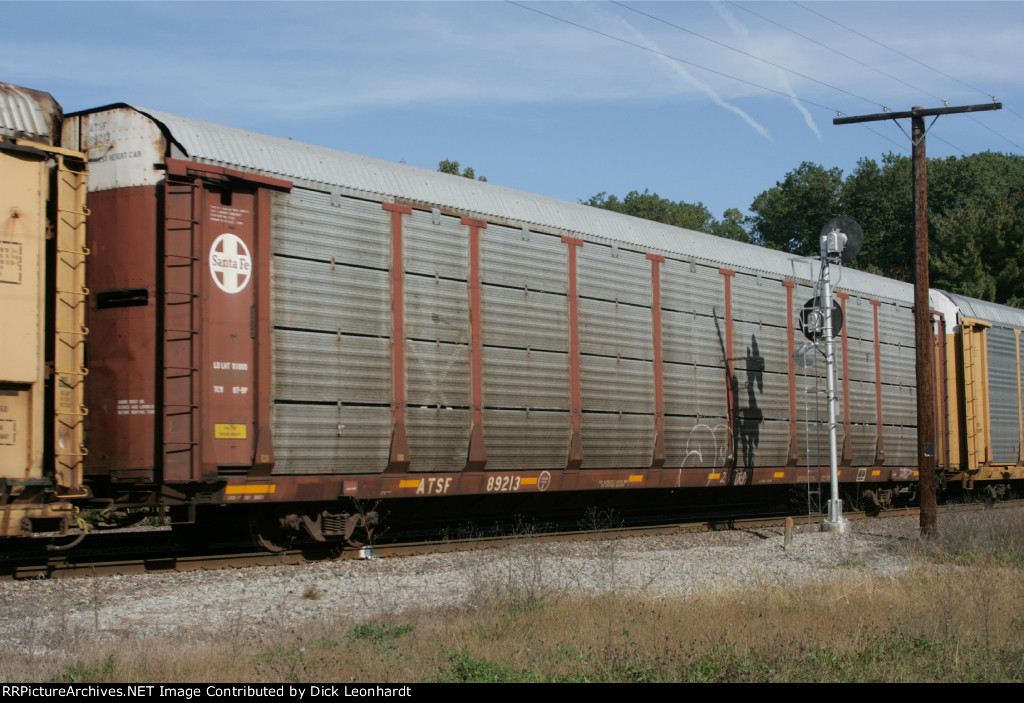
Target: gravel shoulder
{"points": [[253, 599]]}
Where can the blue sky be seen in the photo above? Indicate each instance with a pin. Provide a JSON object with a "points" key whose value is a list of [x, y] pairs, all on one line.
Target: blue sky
{"points": [[536, 103]]}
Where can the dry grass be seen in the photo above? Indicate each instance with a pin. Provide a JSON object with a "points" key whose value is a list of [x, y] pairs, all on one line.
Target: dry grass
{"points": [[954, 617]]}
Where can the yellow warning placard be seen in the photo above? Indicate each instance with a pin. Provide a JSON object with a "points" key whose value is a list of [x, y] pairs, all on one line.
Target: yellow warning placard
{"points": [[228, 431]]}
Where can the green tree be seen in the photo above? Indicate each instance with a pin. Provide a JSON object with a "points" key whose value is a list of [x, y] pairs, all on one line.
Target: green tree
{"points": [[651, 206], [790, 215], [452, 167]]}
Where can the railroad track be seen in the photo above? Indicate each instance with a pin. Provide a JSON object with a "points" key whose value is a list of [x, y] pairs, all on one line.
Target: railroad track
{"points": [[168, 559]]}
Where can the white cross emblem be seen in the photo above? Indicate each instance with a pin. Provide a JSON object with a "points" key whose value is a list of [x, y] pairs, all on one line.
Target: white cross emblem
{"points": [[230, 263]]}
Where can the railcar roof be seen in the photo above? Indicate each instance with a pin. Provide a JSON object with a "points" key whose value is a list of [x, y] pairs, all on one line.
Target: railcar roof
{"points": [[250, 151], [29, 114], [1001, 315]]}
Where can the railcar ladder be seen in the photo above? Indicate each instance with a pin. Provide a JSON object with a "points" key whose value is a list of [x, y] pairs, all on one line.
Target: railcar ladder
{"points": [[180, 322], [70, 332], [815, 506]]}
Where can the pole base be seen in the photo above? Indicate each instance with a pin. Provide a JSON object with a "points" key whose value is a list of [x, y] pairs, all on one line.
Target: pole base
{"points": [[835, 522]]}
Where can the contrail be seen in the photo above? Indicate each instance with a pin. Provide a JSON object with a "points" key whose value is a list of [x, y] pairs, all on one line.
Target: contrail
{"points": [[708, 90], [744, 33]]}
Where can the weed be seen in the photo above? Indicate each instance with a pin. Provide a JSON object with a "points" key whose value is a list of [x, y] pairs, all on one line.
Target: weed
{"points": [[80, 672], [379, 634]]}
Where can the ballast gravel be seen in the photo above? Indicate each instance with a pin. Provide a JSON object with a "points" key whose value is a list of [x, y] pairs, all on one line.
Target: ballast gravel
{"points": [[241, 600]]}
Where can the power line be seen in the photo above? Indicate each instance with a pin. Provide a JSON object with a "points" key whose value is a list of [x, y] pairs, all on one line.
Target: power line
{"points": [[749, 55], [674, 58], [833, 50], [895, 51]]}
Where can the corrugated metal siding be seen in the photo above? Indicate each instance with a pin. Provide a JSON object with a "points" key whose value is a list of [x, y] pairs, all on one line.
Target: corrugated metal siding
{"points": [[610, 329], [859, 320], [760, 346], [687, 339], [29, 114], [761, 442], [1003, 398], [899, 365], [700, 290], [517, 318], [900, 446], [617, 385], [614, 274], [438, 438], [896, 325], [515, 378], [518, 439], [437, 375], [861, 359], [436, 309], [537, 264], [435, 250], [899, 406], [312, 295], [321, 439], [696, 442], [308, 224], [314, 367], [694, 390], [763, 303], [611, 440]]}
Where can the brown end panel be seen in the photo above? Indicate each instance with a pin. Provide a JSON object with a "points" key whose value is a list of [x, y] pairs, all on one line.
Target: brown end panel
{"points": [[121, 393]]}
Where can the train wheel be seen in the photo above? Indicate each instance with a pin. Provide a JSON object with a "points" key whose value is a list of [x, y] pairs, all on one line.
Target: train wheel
{"points": [[359, 529], [268, 531]]}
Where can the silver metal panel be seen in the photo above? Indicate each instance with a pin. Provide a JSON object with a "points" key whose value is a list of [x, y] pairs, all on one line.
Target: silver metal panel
{"points": [[760, 347], [321, 439], [859, 318], [611, 329], [536, 264], [307, 224], [436, 309], [430, 249], [763, 302], [1004, 401], [517, 439], [863, 409], [313, 366], [864, 440], [700, 291], [248, 151], [861, 359], [315, 295], [900, 446], [694, 390], [763, 396], [437, 375], [617, 385], [517, 318], [696, 442], [899, 365], [515, 378], [612, 273], [687, 338], [612, 441], [895, 325], [761, 443], [899, 405], [29, 114], [438, 438]]}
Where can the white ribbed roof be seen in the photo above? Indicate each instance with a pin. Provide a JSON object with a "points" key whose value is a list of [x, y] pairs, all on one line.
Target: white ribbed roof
{"points": [[250, 151], [28, 114], [989, 312]]}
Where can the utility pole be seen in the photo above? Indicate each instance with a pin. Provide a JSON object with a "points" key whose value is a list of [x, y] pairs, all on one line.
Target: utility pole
{"points": [[924, 338]]}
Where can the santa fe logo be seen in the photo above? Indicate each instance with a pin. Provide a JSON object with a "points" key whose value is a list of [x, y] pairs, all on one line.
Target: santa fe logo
{"points": [[230, 263]]}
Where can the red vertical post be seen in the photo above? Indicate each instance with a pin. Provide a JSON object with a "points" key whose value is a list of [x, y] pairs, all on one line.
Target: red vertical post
{"points": [[879, 445], [730, 372], [659, 378], [477, 455], [575, 394], [847, 439], [398, 459], [794, 451]]}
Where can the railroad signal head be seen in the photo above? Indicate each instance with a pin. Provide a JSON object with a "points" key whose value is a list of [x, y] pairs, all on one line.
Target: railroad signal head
{"points": [[841, 238]]}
